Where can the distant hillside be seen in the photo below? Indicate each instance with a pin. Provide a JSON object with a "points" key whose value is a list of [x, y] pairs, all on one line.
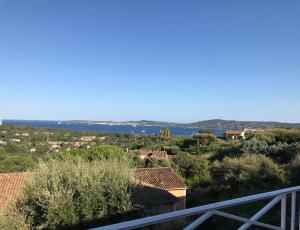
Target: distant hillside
{"points": [[208, 124], [231, 124]]}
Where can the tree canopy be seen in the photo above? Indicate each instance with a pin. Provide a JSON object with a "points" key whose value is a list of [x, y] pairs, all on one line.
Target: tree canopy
{"points": [[72, 192]]}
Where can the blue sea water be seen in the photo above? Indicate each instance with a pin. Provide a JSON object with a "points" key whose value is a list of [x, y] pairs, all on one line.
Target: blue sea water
{"points": [[89, 127]]}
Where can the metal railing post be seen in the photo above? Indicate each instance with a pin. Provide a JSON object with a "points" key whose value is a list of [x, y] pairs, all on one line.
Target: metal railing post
{"points": [[283, 212], [293, 211]]}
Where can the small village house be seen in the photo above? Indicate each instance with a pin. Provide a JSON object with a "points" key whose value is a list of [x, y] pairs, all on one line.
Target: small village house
{"points": [[33, 150], [55, 144], [161, 188], [2, 142], [235, 134], [87, 138], [77, 144], [153, 153], [15, 140]]}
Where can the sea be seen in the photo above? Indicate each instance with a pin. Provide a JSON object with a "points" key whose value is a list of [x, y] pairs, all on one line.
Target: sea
{"points": [[108, 128]]}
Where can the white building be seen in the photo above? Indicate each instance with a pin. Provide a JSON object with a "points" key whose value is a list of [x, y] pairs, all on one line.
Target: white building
{"points": [[2, 142], [15, 140]]}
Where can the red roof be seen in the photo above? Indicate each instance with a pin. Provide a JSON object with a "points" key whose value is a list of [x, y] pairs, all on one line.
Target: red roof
{"points": [[156, 153], [233, 132], [162, 178], [10, 187]]}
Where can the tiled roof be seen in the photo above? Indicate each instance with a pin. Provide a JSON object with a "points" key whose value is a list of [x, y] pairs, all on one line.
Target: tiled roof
{"points": [[163, 178], [156, 153], [234, 132], [10, 187]]}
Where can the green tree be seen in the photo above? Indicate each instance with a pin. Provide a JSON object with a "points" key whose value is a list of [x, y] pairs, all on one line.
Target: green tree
{"points": [[12, 147], [293, 170], [203, 139], [42, 148], [105, 151], [2, 150], [249, 173], [165, 133], [73, 192], [154, 162], [97, 152], [195, 169], [18, 163]]}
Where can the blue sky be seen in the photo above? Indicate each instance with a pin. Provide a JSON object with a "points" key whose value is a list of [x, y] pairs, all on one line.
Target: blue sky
{"points": [[160, 60]]}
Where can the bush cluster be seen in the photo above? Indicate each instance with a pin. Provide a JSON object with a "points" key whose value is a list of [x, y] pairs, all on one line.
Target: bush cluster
{"points": [[72, 193]]}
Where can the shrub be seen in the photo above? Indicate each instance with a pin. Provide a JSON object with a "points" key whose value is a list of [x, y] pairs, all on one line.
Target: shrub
{"points": [[97, 152], [293, 170], [13, 219], [266, 136], [283, 152], [12, 147], [74, 192], [154, 162], [10, 163], [247, 174], [2, 150], [232, 150], [272, 136], [105, 151], [194, 169], [172, 150], [287, 135], [204, 138], [254, 146]]}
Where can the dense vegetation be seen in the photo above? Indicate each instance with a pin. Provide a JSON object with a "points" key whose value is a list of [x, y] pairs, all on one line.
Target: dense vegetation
{"points": [[213, 169], [73, 192]]}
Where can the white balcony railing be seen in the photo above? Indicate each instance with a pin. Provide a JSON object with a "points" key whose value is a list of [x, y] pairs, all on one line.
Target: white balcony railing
{"points": [[214, 209]]}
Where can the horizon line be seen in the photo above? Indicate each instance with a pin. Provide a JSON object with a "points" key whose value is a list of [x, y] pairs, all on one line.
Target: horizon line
{"points": [[128, 121]]}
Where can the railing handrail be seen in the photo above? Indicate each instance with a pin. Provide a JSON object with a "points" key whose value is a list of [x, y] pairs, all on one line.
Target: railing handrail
{"points": [[196, 210]]}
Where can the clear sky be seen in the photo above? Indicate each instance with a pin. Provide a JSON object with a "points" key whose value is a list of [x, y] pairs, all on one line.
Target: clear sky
{"points": [[150, 59]]}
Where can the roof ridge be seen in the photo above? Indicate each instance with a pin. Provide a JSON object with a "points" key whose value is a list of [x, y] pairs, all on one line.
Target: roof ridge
{"points": [[9, 173], [156, 168]]}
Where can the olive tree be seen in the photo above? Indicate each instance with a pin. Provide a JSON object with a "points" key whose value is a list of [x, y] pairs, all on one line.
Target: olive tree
{"points": [[73, 192]]}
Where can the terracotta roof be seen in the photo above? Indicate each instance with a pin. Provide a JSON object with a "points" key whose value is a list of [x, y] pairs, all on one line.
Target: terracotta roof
{"points": [[234, 132], [162, 178], [156, 153], [10, 187]]}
